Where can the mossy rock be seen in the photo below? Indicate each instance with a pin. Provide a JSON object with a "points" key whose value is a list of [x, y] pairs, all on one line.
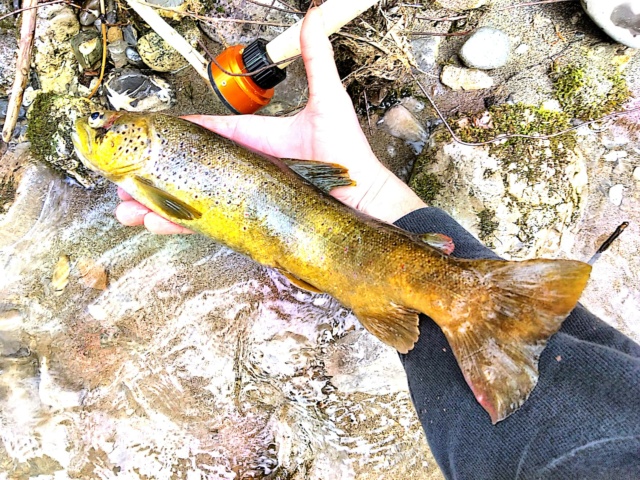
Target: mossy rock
{"points": [[51, 120], [590, 92]]}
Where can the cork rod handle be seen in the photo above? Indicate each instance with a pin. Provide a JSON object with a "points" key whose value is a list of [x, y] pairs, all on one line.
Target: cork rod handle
{"points": [[336, 13]]}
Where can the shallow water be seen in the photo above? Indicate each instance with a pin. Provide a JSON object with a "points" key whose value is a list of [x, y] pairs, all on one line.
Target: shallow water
{"points": [[194, 363]]}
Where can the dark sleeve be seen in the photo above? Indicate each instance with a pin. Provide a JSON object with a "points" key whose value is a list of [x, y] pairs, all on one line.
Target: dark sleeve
{"points": [[581, 421]]}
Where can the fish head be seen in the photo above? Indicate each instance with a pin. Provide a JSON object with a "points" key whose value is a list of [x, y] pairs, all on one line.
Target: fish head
{"points": [[113, 144]]}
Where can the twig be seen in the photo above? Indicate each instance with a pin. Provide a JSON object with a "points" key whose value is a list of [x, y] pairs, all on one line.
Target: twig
{"points": [[442, 19], [364, 40], [273, 7], [436, 34], [607, 243], [103, 31], [505, 136], [27, 30], [366, 106]]}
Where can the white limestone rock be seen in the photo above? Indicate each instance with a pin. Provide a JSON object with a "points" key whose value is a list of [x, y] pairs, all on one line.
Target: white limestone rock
{"points": [[459, 78], [485, 49]]}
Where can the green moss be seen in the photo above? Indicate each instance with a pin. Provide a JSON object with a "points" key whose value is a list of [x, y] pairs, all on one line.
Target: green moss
{"points": [[487, 224], [589, 93], [42, 126], [427, 186]]}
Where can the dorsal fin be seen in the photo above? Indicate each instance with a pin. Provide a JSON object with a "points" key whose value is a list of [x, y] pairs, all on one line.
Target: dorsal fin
{"points": [[166, 203], [396, 326]]}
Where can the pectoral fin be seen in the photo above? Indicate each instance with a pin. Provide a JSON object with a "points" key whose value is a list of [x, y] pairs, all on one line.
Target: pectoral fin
{"points": [[440, 242], [325, 176], [299, 283], [396, 326], [165, 203]]}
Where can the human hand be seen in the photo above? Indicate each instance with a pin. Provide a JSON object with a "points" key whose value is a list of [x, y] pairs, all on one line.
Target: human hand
{"points": [[326, 130]]}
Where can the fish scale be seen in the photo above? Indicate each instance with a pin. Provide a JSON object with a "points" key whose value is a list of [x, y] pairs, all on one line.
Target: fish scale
{"points": [[497, 315]]}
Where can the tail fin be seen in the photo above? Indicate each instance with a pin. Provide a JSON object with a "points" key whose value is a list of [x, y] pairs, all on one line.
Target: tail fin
{"points": [[498, 344]]}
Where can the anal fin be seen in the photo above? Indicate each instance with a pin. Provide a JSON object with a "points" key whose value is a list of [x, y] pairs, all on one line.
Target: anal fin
{"points": [[395, 325], [165, 203], [325, 176]]}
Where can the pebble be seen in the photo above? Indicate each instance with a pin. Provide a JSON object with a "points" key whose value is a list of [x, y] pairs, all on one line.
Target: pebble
{"points": [[620, 19], [425, 51], [114, 34], [615, 155], [615, 194], [132, 90], [130, 35], [459, 78], [485, 49], [522, 49], [134, 57], [118, 53], [400, 122], [90, 12], [636, 174], [87, 48]]}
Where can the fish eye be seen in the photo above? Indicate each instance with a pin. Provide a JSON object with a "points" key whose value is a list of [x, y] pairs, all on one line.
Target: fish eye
{"points": [[96, 120]]}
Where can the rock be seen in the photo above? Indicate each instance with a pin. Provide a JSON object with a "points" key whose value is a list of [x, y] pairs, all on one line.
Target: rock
{"points": [[8, 47], [459, 78], [399, 122], [132, 90], [522, 49], [462, 5], [130, 35], [90, 12], [51, 121], [118, 53], [114, 34], [425, 51], [636, 174], [87, 47], [615, 155], [53, 58], [615, 194], [485, 49], [159, 55], [134, 57], [4, 104], [620, 19]]}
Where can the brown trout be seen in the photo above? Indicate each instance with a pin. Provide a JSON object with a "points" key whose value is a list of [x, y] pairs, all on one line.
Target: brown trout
{"points": [[497, 315]]}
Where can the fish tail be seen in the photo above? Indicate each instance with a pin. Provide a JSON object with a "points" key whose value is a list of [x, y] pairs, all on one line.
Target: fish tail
{"points": [[498, 335]]}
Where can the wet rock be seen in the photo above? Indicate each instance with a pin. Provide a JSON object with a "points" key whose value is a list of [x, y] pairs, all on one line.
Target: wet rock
{"points": [[615, 194], [461, 5], [90, 12], [87, 48], [459, 78], [485, 49], [132, 90], [620, 19], [400, 122], [51, 121], [53, 58], [425, 51], [117, 53], [159, 55]]}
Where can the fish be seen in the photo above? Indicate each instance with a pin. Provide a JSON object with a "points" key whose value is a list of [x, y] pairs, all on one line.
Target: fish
{"points": [[497, 315]]}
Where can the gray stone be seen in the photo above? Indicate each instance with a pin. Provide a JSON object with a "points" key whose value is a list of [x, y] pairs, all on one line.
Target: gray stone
{"points": [[130, 35], [117, 53], [8, 47], [132, 90], [425, 51], [134, 57], [90, 12], [459, 78], [400, 122], [485, 49], [620, 19]]}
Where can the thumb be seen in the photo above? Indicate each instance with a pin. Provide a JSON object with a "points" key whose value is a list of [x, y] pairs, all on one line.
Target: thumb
{"points": [[317, 54]]}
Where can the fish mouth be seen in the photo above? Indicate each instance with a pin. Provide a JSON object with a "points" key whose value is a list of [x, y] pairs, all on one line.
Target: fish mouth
{"points": [[83, 138]]}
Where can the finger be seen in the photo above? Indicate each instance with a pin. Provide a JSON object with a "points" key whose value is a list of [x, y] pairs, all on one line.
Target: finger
{"points": [[131, 213], [317, 54], [161, 226], [123, 195], [266, 135]]}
